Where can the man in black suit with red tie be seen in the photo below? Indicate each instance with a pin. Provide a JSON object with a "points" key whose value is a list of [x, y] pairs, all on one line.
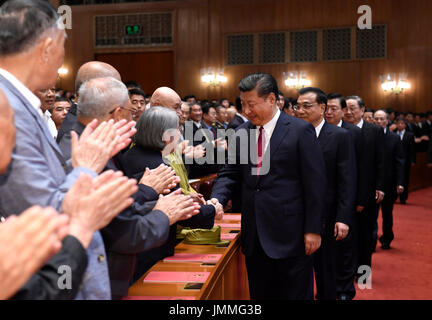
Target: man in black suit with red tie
{"points": [[371, 177], [346, 249], [283, 182], [409, 154], [339, 157], [393, 186]]}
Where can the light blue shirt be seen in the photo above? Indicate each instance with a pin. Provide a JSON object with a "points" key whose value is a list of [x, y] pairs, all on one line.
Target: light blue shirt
{"points": [[95, 284]]}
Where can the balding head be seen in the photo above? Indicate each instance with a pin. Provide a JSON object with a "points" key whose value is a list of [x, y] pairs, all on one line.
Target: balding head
{"points": [[380, 118], [7, 132], [95, 69], [167, 98]]}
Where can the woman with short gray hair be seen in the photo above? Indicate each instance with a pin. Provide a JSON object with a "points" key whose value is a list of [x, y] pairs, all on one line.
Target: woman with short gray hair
{"points": [[153, 125], [155, 143]]}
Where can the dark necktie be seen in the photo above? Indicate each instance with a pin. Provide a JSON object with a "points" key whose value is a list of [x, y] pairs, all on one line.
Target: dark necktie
{"points": [[213, 130], [261, 144]]}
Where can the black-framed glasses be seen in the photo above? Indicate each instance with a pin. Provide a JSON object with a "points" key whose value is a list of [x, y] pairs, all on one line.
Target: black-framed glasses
{"points": [[132, 111], [306, 106]]}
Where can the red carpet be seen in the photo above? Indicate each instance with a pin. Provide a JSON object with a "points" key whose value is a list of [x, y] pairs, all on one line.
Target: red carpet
{"points": [[405, 271]]}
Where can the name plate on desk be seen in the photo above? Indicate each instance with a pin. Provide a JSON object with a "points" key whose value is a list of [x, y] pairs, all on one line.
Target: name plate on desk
{"points": [[176, 276], [193, 257]]}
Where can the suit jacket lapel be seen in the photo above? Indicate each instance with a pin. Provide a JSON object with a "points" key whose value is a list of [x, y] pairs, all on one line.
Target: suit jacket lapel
{"points": [[279, 133], [324, 135], [31, 110]]}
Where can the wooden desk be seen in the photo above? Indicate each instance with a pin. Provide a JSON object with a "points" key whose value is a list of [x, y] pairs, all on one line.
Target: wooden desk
{"points": [[227, 280]]}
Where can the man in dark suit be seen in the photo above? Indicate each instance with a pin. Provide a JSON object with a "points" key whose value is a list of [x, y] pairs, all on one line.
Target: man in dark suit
{"points": [[409, 154], [421, 133], [239, 117], [282, 195], [346, 249], [221, 117], [341, 172], [371, 177], [205, 134], [409, 118], [393, 185]]}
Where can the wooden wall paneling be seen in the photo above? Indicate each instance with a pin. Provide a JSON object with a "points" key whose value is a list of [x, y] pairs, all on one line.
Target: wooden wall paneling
{"points": [[150, 69], [201, 28]]}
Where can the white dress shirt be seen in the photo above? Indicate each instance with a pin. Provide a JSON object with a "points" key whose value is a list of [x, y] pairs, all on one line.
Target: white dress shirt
{"points": [[51, 124], [268, 129], [360, 124], [340, 124], [319, 127], [401, 134]]}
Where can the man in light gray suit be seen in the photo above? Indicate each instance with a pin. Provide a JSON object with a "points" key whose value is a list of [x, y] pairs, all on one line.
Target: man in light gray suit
{"points": [[31, 51]]}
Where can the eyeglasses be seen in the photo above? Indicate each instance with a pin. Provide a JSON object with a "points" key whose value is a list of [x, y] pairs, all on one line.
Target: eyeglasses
{"points": [[132, 111], [297, 107]]}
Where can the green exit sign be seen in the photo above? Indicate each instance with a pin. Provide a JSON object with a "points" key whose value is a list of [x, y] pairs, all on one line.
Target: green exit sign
{"points": [[133, 30]]}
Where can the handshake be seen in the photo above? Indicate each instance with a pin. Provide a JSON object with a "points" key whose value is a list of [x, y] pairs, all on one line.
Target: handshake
{"points": [[181, 207], [176, 206]]}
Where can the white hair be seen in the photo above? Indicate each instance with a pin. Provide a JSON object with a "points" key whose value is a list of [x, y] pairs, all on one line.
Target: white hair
{"points": [[99, 96]]}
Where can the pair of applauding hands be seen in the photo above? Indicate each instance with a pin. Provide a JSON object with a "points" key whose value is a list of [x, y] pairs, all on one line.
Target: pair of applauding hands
{"points": [[30, 239], [175, 205], [36, 235], [198, 151]]}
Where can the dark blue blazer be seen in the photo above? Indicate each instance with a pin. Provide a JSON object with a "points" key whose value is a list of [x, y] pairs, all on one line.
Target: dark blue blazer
{"points": [[235, 122], [395, 162], [341, 172], [357, 142], [287, 202], [371, 164], [68, 122]]}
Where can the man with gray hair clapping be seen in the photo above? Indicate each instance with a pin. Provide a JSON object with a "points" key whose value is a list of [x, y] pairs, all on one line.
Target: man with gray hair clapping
{"points": [[147, 222], [31, 52]]}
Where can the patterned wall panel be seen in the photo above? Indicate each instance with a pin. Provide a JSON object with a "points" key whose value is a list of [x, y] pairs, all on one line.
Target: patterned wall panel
{"points": [[337, 44], [371, 43], [153, 29], [304, 46], [240, 49], [272, 48]]}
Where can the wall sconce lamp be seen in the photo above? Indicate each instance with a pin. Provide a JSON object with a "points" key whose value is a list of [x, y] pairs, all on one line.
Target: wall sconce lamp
{"points": [[296, 79], [210, 77], [389, 83], [62, 71]]}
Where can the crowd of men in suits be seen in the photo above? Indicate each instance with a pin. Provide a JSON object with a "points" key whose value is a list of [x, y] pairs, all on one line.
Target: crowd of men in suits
{"points": [[315, 176]]}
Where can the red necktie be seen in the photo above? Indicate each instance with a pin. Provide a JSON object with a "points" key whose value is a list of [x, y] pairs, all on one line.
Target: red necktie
{"points": [[261, 143]]}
